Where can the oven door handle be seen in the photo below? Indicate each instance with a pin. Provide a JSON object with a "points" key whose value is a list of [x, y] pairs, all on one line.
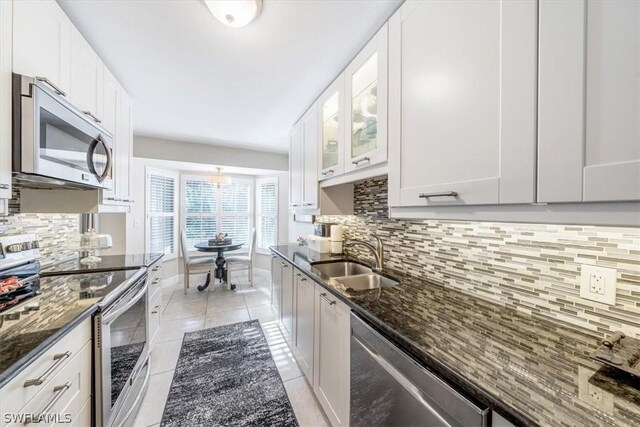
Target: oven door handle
{"points": [[111, 316]]}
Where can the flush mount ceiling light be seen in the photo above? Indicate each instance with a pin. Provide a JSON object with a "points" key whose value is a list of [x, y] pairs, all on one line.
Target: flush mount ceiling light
{"points": [[235, 13], [219, 179]]}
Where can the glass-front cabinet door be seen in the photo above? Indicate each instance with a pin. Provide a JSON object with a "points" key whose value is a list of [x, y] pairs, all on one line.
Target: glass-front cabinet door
{"points": [[331, 130], [366, 105]]}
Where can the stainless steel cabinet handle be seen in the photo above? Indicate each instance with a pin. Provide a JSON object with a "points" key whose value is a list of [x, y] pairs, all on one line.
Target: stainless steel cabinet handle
{"points": [[329, 172], [364, 159], [4, 186], [59, 391], [323, 295], [51, 85], [441, 194], [156, 268], [307, 204], [156, 309], [294, 205], [93, 116], [59, 359]]}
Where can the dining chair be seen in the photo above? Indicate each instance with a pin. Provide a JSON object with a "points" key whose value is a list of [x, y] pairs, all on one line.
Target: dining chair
{"points": [[196, 265], [243, 262]]}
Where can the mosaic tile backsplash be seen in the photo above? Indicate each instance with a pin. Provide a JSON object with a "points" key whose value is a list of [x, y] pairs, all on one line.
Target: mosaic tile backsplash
{"points": [[534, 268], [59, 234]]}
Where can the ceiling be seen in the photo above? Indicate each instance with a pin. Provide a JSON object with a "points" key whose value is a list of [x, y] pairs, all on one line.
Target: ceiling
{"points": [[192, 78]]}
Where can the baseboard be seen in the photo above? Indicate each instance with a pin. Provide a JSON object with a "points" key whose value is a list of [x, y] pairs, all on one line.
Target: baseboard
{"points": [[169, 281]]}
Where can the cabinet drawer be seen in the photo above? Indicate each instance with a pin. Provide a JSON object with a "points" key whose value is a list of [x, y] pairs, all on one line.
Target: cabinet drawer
{"points": [[60, 398], [155, 307], [14, 395]]}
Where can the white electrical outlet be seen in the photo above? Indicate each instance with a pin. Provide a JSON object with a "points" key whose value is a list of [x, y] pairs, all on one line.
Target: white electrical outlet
{"points": [[598, 284], [591, 393]]}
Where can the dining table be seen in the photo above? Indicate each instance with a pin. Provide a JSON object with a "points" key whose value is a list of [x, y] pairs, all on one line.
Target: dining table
{"points": [[220, 272]]}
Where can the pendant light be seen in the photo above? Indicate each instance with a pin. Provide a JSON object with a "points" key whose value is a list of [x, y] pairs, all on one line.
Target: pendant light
{"points": [[235, 13], [219, 179]]}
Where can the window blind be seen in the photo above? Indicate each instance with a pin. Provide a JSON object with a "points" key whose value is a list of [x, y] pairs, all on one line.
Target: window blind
{"points": [[161, 212], [209, 209], [267, 212]]}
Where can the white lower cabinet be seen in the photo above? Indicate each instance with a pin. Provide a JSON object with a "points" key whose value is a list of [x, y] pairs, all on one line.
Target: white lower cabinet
{"points": [[304, 324], [65, 389], [276, 284], [331, 363], [286, 309], [155, 301]]}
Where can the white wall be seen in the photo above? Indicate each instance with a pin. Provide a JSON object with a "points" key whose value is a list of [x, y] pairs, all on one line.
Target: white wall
{"points": [[162, 149]]}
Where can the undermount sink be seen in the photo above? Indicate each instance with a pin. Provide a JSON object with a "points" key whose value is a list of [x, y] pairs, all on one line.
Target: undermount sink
{"points": [[341, 268], [363, 282]]}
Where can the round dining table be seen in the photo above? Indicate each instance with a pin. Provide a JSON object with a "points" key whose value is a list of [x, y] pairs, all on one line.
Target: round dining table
{"points": [[220, 271]]}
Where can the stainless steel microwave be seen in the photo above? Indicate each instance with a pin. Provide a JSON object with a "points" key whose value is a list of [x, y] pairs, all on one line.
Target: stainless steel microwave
{"points": [[54, 143]]}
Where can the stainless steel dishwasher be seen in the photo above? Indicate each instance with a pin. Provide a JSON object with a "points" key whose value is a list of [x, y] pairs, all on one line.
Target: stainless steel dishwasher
{"points": [[389, 389]]}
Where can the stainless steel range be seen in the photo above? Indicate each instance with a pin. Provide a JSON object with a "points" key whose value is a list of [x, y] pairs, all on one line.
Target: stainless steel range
{"points": [[121, 333]]}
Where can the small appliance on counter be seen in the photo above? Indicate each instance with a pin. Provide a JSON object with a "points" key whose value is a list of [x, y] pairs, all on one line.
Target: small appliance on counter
{"points": [[320, 240], [91, 242]]}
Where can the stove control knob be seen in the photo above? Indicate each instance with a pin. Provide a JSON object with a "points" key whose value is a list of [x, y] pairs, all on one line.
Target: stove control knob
{"points": [[14, 248]]}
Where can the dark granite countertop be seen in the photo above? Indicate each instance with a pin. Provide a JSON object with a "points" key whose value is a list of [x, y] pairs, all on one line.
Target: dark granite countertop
{"points": [[33, 326], [108, 263], [531, 371]]}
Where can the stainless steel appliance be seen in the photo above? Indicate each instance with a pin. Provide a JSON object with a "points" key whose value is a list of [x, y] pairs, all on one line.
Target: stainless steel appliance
{"points": [[388, 388], [54, 143], [121, 331], [322, 229]]}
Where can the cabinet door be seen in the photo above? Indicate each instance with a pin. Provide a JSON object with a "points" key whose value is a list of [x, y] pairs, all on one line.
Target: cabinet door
{"points": [[462, 78], [296, 166], [331, 130], [303, 340], [125, 148], [287, 302], [366, 104], [155, 311], [276, 285], [5, 99], [86, 77], [110, 115], [589, 102], [332, 355], [42, 42], [310, 159]]}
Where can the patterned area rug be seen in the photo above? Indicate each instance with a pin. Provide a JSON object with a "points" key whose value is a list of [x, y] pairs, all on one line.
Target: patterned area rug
{"points": [[226, 376]]}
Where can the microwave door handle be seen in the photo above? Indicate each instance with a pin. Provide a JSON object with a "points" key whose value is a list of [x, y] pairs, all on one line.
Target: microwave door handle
{"points": [[90, 153], [109, 316]]}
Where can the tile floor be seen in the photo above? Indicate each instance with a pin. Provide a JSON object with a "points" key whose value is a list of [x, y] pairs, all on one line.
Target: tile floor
{"points": [[214, 307]]}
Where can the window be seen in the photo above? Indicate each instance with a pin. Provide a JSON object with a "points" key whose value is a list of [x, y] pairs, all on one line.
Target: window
{"points": [[266, 213], [160, 208], [209, 209]]}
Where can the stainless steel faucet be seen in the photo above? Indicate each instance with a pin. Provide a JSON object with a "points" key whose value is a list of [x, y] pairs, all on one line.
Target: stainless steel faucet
{"points": [[377, 251]]}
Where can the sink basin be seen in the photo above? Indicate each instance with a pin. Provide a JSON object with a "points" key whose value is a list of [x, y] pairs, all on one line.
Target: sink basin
{"points": [[341, 268], [363, 282]]}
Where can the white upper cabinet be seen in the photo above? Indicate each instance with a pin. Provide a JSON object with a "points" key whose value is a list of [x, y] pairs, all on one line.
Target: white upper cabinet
{"points": [[310, 161], [331, 122], [296, 165], [366, 105], [589, 101], [41, 42], [86, 77], [5, 101], [111, 91], [462, 81], [303, 162]]}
